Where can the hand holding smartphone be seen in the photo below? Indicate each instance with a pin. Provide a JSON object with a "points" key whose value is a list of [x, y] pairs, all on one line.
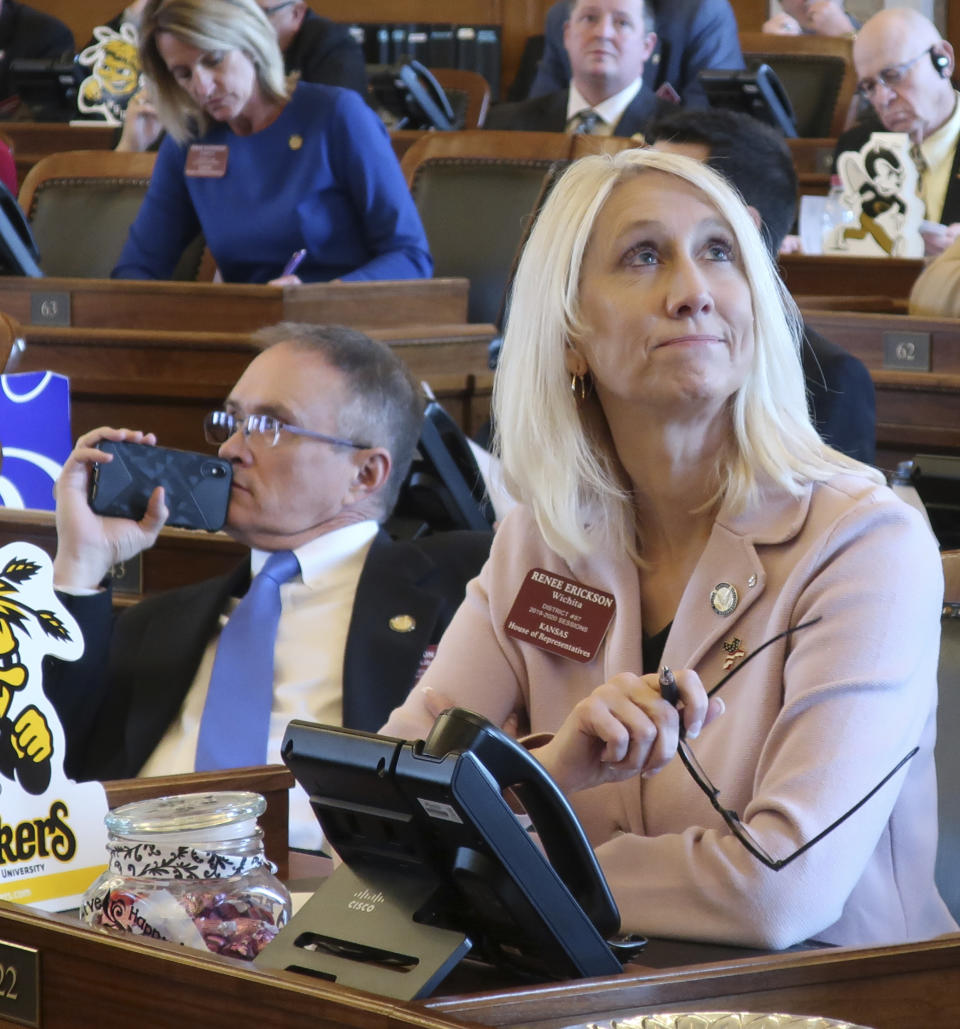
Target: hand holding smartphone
{"points": [[196, 486]]}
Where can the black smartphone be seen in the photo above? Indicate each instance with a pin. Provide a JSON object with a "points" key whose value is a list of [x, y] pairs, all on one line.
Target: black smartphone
{"points": [[197, 485]]}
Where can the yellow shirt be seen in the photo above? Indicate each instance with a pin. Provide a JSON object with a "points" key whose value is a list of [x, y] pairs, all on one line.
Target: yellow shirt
{"points": [[938, 151]]}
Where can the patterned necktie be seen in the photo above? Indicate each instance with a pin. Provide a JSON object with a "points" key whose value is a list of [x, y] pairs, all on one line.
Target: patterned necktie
{"points": [[920, 161], [588, 121], [236, 716]]}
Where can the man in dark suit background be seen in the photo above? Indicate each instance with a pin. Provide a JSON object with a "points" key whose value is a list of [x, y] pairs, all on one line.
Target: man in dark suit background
{"points": [[320, 49], [25, 32], [755, 158], [320, 430], [607, 42], [691, 35]]}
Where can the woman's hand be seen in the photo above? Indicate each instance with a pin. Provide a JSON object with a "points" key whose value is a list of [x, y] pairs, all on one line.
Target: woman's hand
{"points": [[623, 728], [141, 124], [88, 544], [781, 24]]}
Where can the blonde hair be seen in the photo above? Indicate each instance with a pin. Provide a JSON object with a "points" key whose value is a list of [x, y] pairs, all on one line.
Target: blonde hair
{"points": [[209, 25], [558, 457]]}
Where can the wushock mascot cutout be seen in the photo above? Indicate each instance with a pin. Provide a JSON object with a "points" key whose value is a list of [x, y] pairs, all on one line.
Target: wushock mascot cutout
{"points": [[52, 836], [880, 188]]}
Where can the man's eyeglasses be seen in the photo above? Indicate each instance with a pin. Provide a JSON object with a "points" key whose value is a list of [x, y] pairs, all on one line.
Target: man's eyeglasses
{"points": [[668, 689], [889, 77], [268, 11], [219, 426]]}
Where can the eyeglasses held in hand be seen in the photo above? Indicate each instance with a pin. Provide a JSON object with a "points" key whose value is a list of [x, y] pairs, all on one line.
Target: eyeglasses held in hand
{"points": [[890, 77], [219, 426], [670, 693]]}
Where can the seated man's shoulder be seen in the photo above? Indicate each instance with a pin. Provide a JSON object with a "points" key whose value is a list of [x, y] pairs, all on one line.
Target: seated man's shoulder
{"points": [[460, 552], [321, 32], [536, 114], [42, 29]]}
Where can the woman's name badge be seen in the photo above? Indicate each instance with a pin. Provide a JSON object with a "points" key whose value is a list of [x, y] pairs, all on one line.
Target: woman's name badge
{"points": [[560, 615], [206, 161]]}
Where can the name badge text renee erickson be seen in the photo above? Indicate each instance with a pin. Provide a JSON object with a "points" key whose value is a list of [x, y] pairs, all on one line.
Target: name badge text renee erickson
{"points": [[560, 615]]}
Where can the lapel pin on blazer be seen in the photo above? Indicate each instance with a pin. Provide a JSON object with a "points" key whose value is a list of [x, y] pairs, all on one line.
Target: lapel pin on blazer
{"points": [[724, 598], [295, 141], [403, 623], [733, 650]]}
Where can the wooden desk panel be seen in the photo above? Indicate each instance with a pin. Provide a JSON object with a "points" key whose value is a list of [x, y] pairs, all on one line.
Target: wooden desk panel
{"points": [[861, 333], [869, 276], [33, 140], [884, 987], [111, 980], [167, 381], [223, 307], [917, 411], [178, 558]]}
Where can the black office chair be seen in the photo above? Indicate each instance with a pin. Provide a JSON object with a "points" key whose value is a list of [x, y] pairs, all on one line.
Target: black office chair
{"points": [[444, 488]]}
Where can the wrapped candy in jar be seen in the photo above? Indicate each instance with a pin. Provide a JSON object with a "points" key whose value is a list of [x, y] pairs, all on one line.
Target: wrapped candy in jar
{"points": [[191, 869]]}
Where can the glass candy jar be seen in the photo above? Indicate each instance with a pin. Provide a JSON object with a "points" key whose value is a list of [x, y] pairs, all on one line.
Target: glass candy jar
{"points": [[191, 869]]}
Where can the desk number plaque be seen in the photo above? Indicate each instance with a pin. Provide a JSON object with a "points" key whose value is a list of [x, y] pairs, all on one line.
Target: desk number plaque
{"points": [[19, 984]]}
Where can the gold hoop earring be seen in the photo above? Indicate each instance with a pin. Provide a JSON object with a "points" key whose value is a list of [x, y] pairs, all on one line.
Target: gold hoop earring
{"points": [[580, 386]]}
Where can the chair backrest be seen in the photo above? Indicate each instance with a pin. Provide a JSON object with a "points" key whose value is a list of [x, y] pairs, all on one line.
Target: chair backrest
{"points": [[81, 204], [947, 753], [475, 192], [817, 73], [468, 93]]}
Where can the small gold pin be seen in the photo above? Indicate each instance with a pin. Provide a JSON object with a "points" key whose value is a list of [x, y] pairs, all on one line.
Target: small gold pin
{"points": [[295, 141], [724, 598], [403, 623]]}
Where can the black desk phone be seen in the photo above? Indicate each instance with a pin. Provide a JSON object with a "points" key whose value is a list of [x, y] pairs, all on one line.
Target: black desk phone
{"points": [[436, 863]]}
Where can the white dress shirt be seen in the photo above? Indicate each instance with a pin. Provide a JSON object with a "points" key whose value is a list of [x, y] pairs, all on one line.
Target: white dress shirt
{"points": [[610, 110], [316, 608]]}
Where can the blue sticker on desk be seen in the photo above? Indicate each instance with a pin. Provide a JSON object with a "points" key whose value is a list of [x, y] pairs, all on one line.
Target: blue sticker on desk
{"points": [[560, 615]]}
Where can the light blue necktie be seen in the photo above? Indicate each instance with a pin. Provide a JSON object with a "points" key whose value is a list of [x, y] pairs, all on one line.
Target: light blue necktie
{"points": [[236, 717], [587, 123]]}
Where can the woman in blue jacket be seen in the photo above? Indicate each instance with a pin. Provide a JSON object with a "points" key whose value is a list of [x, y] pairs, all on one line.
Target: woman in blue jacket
{"points": [[262, 165]]}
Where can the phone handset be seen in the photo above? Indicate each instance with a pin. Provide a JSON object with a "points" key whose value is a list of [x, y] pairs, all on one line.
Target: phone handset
{"points": [[561, 834], [428, 93]]}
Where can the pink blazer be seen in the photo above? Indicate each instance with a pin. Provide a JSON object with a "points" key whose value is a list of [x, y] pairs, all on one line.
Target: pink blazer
{"points": [[811, 725]]}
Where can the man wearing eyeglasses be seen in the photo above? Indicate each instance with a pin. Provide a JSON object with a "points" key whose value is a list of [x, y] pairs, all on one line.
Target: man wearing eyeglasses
{"points": [[904, 70], [320, 430]]}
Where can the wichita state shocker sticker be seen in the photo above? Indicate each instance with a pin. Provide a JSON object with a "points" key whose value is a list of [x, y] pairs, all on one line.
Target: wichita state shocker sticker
{"points": [[560, 615]]}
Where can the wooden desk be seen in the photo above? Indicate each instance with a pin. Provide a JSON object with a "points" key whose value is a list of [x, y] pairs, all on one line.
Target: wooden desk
{"points": [[870, 276], [178, 558], [223, 307], [917, 410], [167, 381], [112, 980], [884, 987], [35, 139]]}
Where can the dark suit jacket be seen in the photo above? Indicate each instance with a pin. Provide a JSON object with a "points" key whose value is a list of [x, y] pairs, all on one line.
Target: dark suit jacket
{"points": [[323, 51], [855, 137], [691, 34], [25, 32], [841, 397], [549, 114], [117, 701]]}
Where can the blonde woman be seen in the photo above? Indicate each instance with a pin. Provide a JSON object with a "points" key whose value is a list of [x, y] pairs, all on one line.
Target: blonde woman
{"points": [[678, 510]]}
